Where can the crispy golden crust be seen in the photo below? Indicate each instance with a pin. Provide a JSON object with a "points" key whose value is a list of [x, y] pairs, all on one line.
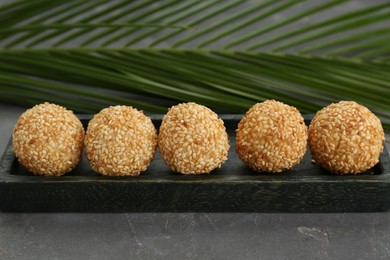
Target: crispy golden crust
{"points": [[48, 140], [192, 139], [346, 138], [271, 137], [120, 141]]}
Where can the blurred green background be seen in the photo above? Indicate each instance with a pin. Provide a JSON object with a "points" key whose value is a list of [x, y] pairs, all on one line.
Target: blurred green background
{"points": [[228, 55]]}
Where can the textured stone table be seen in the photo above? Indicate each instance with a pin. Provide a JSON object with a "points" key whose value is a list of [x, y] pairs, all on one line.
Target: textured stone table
{"points": [[189, 235]]}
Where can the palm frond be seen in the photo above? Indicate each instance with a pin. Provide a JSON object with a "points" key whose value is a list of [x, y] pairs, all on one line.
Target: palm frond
{"points": [[224, 54]]}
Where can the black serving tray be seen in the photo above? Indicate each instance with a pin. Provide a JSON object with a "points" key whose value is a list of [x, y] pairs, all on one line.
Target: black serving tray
{"points": [[232, 188]]}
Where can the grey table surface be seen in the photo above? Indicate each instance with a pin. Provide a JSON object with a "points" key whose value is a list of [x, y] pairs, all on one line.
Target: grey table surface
{"points": [[189, 235]]}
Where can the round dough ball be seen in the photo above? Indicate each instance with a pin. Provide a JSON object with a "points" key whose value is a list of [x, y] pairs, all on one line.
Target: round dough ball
{"points": [[271, 137], [192, 139], [346, 138], [48, 140], [120, 141]]}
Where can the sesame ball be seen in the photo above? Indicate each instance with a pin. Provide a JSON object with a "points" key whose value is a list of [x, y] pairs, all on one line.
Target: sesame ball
{"points": [[346, 138], [120, 141], [271, 137], [192, 139], [48, 140]]}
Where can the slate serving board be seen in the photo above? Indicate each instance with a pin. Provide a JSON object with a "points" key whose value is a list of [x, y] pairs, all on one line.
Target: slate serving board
{"points": [[232, 188]]}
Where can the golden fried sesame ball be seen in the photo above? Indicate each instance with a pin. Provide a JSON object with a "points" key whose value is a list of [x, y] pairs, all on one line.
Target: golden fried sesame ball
{"points": [[192, 139], [346, 138], [120, 141], [271, 137], [48, 140]]}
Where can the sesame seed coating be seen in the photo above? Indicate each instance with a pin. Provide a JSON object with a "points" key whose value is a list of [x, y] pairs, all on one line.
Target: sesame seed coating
{"points": [[192, 139], [346, 138], [271, 137], [48, 140], [120, 141]]}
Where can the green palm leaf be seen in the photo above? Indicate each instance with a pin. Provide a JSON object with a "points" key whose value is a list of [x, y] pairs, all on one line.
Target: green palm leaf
{"points": [[227, 55]]}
